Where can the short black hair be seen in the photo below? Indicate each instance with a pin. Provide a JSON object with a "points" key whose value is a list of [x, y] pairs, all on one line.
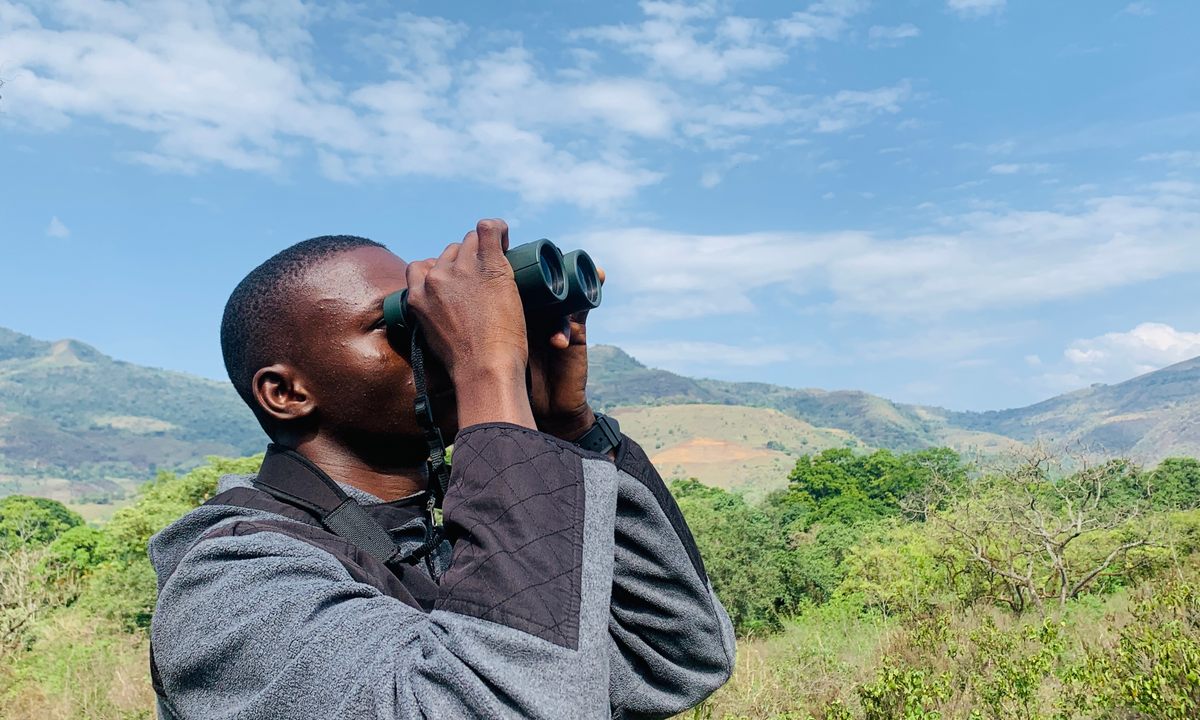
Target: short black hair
{"points": [[248, 341]]}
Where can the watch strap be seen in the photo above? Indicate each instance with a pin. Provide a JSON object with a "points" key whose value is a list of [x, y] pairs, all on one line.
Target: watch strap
{"points": [[603, 436]]}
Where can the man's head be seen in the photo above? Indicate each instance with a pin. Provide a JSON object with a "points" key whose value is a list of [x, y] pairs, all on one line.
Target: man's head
{"points": [[305, 346]]}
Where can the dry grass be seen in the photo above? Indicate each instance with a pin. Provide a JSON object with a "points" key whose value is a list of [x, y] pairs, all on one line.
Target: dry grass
{"points": [[817, 659], [814, 669], [726, 446], [79, 667]]}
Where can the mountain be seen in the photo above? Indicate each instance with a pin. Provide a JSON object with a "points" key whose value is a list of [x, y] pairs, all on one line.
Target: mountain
{"points": [[68, 410], [69, 414], [1147, 418], [615, 379], [747, 449]]}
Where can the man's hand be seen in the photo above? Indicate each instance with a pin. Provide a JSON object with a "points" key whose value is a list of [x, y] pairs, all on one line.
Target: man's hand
{"points": [[558, 373], [470, 312]]}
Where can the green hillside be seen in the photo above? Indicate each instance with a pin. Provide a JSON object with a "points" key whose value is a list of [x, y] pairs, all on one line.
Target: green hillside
{"points": [[1150, 417], [75, 423], [616, 380], [70, 412]]}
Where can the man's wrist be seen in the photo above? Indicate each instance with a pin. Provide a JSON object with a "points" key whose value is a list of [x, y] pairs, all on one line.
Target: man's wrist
{"points": [[570, 426], [492, 393], [603, 437]]}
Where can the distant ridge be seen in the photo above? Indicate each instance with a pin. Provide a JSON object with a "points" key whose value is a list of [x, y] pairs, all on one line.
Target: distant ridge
{"points": [[69, 411], [616, 379], [1149, 417]]}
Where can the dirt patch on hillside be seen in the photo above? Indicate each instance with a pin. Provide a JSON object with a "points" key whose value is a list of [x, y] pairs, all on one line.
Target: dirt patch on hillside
{"points": [[708, 450]]}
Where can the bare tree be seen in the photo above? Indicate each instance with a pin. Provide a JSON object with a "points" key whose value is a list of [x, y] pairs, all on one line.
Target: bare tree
{"points": [[1037, 531], [27, 592]]}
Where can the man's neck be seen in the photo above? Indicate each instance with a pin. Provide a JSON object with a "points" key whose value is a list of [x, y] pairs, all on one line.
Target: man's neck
{"points": [[390, 482]]}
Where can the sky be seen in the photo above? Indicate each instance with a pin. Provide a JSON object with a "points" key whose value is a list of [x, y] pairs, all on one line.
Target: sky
{"points": [[975, 204]]}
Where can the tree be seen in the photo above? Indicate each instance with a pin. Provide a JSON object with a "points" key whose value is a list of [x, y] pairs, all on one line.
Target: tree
{"points": [[1175, 483], [33, 521], [1037, 533], [840, 486], [744, 553]]}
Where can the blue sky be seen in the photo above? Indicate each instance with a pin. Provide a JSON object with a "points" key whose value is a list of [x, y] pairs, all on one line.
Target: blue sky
{"points": [[969, 203]]}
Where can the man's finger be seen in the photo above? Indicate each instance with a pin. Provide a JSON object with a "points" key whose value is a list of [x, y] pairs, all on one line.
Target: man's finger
{"points": [[450, 253], [600, 272], [560, 339], [470, 244], [493, 237], [580, 317], [415, 274]]}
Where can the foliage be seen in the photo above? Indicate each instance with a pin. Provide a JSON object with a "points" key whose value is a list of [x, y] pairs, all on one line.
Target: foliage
{"points": [[840, 486], [1030, 534], [846, 613], [123, 584], [902, 568], [1175, 483], [1154, 668], [75, 601], [744, 553], [33, 521], [907, 693]]}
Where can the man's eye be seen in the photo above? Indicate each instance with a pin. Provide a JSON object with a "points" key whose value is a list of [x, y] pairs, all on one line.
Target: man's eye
{"points": [[379, 324]]}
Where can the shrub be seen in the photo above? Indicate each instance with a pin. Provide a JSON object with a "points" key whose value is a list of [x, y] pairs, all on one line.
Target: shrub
{"points": [[33, 520]]}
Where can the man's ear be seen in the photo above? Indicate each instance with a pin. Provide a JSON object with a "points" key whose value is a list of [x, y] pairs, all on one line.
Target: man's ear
{"points": [[281, 393]]}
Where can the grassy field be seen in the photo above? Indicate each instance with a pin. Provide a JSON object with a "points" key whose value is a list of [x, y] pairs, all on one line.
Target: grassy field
{"points": [[984, 663], [750, 450], [117, 493]]}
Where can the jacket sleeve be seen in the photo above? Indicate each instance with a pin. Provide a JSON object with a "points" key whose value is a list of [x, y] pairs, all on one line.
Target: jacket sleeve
{"points": [[261, 625], [672, 643]]}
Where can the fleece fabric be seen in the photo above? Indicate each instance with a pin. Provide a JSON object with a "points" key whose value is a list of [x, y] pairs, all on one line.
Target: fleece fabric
{"points": [[568, 586]]}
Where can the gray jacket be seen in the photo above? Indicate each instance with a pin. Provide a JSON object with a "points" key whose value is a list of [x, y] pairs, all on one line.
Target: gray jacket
{"points": [[567, 586]]}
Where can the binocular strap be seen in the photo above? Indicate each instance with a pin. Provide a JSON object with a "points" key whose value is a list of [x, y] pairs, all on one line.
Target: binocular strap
{"points": [[439, 471]]}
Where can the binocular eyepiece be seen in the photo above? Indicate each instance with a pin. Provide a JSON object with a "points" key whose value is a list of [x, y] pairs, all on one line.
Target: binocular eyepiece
{"points": [[551, 284]]}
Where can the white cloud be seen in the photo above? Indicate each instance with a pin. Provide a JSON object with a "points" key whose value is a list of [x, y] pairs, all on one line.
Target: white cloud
{"points": [[238, 85], [884, 36], [975, 8], [997, 258], [1015, 168], [1118, 356], [1138, 8], [56, 229], [681, 41], [940, 343], [851, 108], [712, 176], [214, 88], [1179, 158], [825, 20], [690, 355]]}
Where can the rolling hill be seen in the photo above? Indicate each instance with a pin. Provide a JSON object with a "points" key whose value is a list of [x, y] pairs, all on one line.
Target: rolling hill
{"points": [[75, 421], [729, 446], [1147, 418], [70, 412], [617, 380]]}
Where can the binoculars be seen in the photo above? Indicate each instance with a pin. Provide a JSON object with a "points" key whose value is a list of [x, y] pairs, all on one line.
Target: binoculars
{"points": [[552, 285]]}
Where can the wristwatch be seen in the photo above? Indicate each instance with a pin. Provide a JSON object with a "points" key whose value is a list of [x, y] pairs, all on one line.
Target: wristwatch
{"points": [[603, 436]]}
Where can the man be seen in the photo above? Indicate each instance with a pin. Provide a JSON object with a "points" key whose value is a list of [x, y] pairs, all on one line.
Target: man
{"points": [[564, 582]]}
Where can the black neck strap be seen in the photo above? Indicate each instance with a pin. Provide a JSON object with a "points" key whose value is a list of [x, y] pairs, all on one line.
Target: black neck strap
{"points": [[292, 478], [439, 471]]}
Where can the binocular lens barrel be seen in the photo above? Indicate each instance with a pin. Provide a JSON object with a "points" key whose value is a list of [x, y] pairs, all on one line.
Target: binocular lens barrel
{"points": [[583, 292], [551, 284], [538, 270]]}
